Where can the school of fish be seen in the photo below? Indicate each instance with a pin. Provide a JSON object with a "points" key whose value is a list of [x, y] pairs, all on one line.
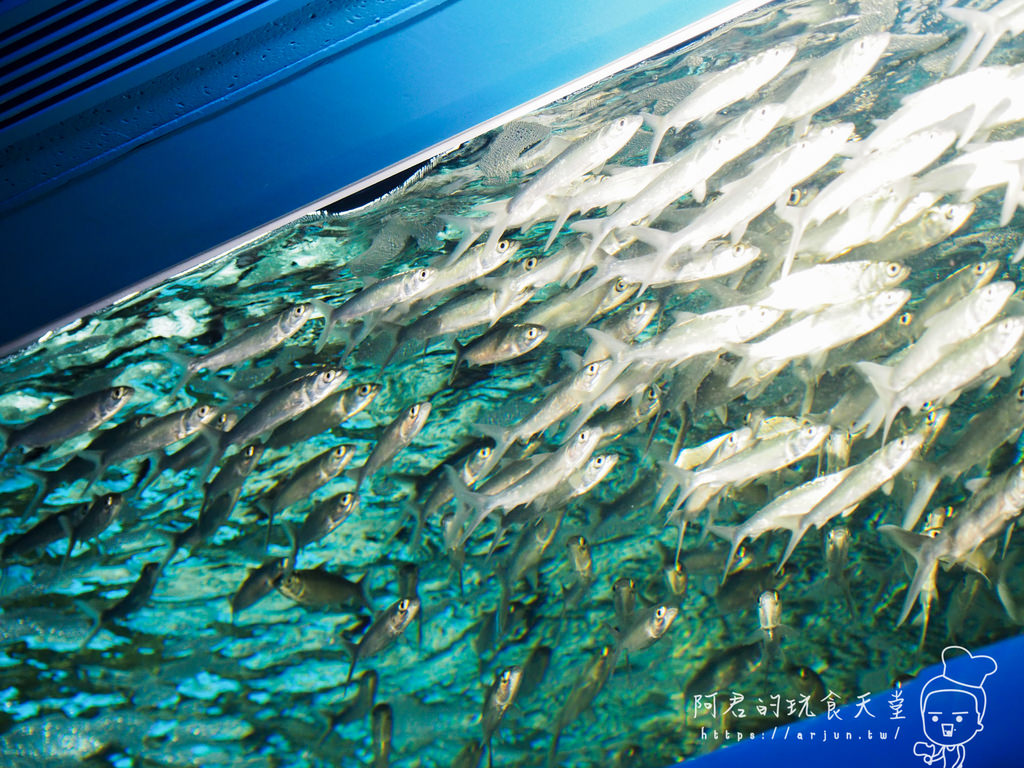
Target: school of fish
{"points": [[498, 466]]}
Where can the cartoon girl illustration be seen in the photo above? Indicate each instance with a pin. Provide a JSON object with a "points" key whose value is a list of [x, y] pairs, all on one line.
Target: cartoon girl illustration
{"points": [[952, 707]]}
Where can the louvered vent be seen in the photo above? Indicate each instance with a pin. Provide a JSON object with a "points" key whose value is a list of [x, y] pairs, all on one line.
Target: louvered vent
{"points": [[76, 45]]}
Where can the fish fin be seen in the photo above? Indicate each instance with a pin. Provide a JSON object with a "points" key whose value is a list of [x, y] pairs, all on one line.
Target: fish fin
{"points": [[723, 293], [927, 482], [745, 369], [660, 127], [559, 222], [794, 244], [476, 501], [975, 484], [327, 313], [97, 620], [617, 349], [978, 23], [913, 544], [887, 486], [69, 531], [684, 478], [722, 412], [795, 534], [181, 361], [700, 191], [1013, 192], [800, 127], [460, 350]]}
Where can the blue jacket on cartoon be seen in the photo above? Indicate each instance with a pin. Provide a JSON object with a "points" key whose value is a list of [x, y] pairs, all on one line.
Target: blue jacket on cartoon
{"points": [[952, 708]]}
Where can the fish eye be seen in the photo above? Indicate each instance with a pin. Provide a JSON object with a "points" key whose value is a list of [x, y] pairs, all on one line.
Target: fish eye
{"points": [[122, 392], [583, 436], [950, 214], [531, 333], [340, 451], [621, 122], [931, 418], [581, 542], [737, 250], [620, 285], [592, 368], [503, 246], [249, 451], [414, 410], [530, 263], [795, 196], [363, 390], [979, 269], [1020, 393], [906, 318], [328, 376], [599, 461], [892, 269], [639, 309], [933, 533], [660, 613], [109, 499], [506, 676], [928, 405], [652, 393], [204, 410], [902, 442], [810, 431], [423, 274], [299, 310], [403, 605], [484, 452]]}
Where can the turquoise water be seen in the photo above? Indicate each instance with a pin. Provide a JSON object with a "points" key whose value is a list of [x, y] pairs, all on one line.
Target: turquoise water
{"points": [[181, 681]]}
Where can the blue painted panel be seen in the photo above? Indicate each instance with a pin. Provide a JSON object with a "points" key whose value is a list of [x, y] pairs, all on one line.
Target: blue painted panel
{"points": [[300, 133]]}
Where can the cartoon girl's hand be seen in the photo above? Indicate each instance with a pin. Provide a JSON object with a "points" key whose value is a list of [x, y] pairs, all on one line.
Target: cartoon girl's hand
{"points": [[925, 750]]}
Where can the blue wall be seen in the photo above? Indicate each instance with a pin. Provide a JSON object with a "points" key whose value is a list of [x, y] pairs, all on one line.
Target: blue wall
{"points": [[250, 121]]}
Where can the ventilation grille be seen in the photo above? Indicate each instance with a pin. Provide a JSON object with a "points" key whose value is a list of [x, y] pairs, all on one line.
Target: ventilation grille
{"points": [[76, 45]]}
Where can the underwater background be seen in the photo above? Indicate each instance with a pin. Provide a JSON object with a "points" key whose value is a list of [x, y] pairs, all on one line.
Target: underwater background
{"points": [[189, 677]]}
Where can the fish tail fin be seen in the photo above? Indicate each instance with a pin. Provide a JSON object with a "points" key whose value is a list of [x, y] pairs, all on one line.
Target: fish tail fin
{"points": [[799, 225], [42, 490], [293, 547], [327, 313], [353, 651], [181, 361], [473, 500], [471, 226], [727, 532], [660, 127], [914, 544], [364, 598], [97, 621], [982, 33], [795, 534], [685, 480], [746, 368], [564, 214], [69, 531], [618, 350], [1012, 199], [460, 350], [598, 231], [927, 483], [880, 378], [553, 751]]}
